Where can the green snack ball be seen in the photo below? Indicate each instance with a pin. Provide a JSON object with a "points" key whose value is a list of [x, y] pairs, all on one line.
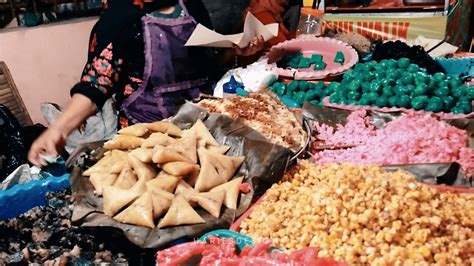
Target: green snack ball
{"points": [[381, 101], [421, 89], [312, 95], [303, 85], [371, 64], [355, 85], [387, 91], [320, 85], [294, 63], [420, 78], [404, 101], [365, 87], [464, 106], [449, 102], [339, 58], [457, 110], [464, 99], [398, 90], [292, 86], [353, 95], [388, 81], [299, 97], [372, 96], [311, 85], [319, 65], [459, 91], [344, 101], [439, 76], [315, 103], [379, 74], [470, 92], [393, 101], [435, 104], [364, 101], [304, 63], [376, 86], [403, 62], [316, 58], [413, 68], [392, 75], [334, 98], [392, 63], [419, 102], [331, 88], [442, 92], [368, 76], [454, 82], [280, 90], [406, 79]]}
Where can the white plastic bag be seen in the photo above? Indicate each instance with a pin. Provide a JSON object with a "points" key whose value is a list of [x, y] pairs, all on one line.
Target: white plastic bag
{"points": [[255, 77]]}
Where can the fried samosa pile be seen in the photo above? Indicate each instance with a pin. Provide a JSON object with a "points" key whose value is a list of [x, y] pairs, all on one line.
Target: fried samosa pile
{"points": [[157, 172]]}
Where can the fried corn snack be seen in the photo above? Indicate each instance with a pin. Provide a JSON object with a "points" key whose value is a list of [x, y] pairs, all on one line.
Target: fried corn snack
{"points": [[365, 216]]}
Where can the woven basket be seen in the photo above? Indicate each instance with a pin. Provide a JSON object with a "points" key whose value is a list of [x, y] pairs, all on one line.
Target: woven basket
{"points": [[10, 97]]}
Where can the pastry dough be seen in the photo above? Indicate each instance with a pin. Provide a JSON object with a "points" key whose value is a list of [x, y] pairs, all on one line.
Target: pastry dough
{"points": [[144, 171], [137, 130], [167, 183], [180, 213], [202, 134], [210, 201], [103, 165], [139, 213], [126, 179], [221, 149], [186, 146], [123, 142], [232, 191], [143, 154], [118, 161], [100, 180], [165, 127], [161, 202], [180, 168], [139, 187], [116, 198], [167, 155], [157, 138]]}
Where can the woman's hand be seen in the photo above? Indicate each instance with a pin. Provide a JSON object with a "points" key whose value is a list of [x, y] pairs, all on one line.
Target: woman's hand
{"points": [[255, 46], [49, 143]]}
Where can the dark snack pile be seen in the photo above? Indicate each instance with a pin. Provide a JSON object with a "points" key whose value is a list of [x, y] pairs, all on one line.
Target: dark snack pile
{"points": [[46, 235]]}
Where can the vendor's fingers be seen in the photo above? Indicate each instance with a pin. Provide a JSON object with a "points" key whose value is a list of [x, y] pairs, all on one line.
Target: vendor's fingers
{"points": [[34, 155]]}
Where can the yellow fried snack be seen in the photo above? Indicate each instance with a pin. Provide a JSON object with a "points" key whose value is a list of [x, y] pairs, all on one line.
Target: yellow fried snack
{"points": [[161, 201], [202, 134], [180, 213], [232, 191], [165, 127], [363, 215], [123, 142], [142, 170], [118, 161], [103, 165], [139, 213], [159, 139], [126, 179], [180, 168], [167, 155], [210, 201], [221, 149], [139, 187], [143, 154], [137, 130], [116, 198], [186, 146], [100, 180], [167, 183]]}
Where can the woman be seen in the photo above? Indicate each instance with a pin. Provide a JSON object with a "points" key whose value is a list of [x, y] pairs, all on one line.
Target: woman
{"points": [[268, 12], [137, 53]]}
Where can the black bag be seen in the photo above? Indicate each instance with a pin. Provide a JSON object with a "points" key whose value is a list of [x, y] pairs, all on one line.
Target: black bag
{"points": [[13, 152]]}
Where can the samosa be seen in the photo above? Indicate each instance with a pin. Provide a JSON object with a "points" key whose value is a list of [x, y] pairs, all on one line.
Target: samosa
{"points": [[100, 180], [143, 154], [116, 198], [159, 139], [126, 179], [179, 168], [232, 191], [137, 130], [180, 213], [143, 170], [123, 142], [165, 127], [139, 213], [167, 183], [161, 201], [202, 134]]}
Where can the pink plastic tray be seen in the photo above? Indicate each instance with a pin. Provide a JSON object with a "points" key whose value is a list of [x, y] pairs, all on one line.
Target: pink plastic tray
{"points": [[326, 47], [441, 115]]}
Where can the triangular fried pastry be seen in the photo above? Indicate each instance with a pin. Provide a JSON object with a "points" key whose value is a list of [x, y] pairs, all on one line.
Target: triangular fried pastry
{"points": [[126, 179], [221, 149], [210, 201], [167, 183], [165, 127], [143, 170], [187, 192], [116, 198], [214, 170], [139, 187], [157, 138], [143, 154], [100, 166], [186, 146], [180, 213], [161, 201], [123, 142], [167, 155], [119, 161], [139, 213], [232, 191], [100, 180], [179, 168], [137, 130], [203, 136], [192, 177]]}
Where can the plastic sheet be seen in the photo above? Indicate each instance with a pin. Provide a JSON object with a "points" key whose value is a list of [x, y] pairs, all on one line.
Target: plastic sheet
{"points": [[264, 165]]}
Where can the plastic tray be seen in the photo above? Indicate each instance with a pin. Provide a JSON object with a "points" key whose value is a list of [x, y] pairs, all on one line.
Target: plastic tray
{"points": [[327, 47], [23, 197], [240, 239], [236, 225]]}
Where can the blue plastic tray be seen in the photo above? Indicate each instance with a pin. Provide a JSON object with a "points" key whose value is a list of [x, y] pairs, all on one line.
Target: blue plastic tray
{"points": [[457, 66], [22, 197]]}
